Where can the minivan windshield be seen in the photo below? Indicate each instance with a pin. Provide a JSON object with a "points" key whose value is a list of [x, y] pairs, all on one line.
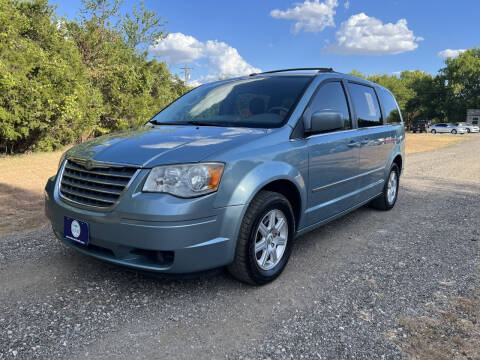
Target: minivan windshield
{"points": [[258, 102]]}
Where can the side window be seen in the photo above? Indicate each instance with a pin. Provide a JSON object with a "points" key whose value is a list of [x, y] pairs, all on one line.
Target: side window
{"points": [[366, 104], [331, 96], [392, 112]]}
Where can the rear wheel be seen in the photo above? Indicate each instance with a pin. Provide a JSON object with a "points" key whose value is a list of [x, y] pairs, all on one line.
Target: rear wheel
{"points": [[265, 240], [388, 198], [454, 131], [433, 131]]}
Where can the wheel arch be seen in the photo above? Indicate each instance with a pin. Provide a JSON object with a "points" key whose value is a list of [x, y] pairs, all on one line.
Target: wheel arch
{"points": [[290, 191], [275, 176], [399, 161]]}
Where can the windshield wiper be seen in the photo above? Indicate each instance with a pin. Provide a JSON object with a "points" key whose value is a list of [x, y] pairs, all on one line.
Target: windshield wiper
{"points": [[203, 123], [156, 122], [192, 122]]}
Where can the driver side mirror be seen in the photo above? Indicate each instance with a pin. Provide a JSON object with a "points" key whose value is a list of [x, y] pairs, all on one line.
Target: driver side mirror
{"points": [[326, 120]]}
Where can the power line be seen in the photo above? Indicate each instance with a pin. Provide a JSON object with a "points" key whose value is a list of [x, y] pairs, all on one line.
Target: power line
{"points": [[186, 72]]}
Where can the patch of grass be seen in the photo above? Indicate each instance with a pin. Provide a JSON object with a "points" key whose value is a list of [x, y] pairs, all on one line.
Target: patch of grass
{"points": [[22, 180], [427, 142], [454, 333]]}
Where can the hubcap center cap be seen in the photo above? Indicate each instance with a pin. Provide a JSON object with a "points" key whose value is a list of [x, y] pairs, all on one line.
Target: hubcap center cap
{"points": [[270, 239]]}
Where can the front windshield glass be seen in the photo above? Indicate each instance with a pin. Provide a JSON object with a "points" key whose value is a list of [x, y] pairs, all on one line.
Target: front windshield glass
{"points": [[259, 102]]}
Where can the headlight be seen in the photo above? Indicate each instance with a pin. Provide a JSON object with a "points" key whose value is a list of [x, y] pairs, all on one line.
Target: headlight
{"points": [[185, 180]]}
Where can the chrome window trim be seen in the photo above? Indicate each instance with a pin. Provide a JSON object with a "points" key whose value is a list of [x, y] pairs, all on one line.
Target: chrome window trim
{"points": [[96, 163], [313, 136], [346, 131]]}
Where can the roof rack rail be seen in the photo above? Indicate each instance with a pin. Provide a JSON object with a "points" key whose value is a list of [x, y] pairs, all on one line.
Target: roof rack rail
{"points": [[319, 69]]}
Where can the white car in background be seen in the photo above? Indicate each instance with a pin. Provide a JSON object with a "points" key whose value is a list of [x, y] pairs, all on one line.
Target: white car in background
{"points": [[471, 128], [447, 128]]}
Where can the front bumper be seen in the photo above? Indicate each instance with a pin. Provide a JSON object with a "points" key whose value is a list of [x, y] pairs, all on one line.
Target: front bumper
{"points": [[153, 232]]}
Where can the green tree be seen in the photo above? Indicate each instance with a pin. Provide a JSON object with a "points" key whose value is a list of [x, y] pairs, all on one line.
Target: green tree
{"points": [[45, 98], [427, 97], [113, 48], [461, 77]]}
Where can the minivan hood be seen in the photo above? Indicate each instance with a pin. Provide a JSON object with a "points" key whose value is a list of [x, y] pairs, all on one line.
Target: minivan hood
{"points": [[155, 145]]}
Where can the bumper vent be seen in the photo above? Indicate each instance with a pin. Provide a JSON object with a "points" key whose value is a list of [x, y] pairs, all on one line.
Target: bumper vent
{"points": [[94, 184]]}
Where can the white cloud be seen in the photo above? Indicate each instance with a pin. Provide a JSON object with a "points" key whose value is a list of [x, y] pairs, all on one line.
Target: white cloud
{"points": [[222, 59], [178, 48], [365, 35], [226, 59], [449, 53], [347, 4], [309, 16]]}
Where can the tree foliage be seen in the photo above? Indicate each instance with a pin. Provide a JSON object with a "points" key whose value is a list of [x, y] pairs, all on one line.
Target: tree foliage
{"points": [[65, 81]]}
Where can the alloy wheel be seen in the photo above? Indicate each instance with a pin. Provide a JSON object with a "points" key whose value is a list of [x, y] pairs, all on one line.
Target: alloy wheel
{"points": [[392, 187], [271, 239]]}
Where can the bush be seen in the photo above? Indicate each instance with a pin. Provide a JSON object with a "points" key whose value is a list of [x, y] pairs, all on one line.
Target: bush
{"points": [[65, 81]]}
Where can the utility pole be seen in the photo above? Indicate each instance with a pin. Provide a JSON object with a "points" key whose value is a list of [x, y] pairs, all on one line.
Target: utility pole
{"points": [[186, 73]]}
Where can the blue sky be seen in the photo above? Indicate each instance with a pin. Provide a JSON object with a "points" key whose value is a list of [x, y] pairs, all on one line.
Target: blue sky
{"points": [[229, 38]]}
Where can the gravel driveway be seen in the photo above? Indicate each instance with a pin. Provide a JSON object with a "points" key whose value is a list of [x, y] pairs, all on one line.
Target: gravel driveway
{"points": [[341, 295]]}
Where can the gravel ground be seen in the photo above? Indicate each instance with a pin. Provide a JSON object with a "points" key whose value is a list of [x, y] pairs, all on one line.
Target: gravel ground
{"points": [[341, 296]]}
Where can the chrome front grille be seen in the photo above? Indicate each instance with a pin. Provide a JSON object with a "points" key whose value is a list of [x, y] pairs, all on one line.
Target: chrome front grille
{"points": [[94, 184]]}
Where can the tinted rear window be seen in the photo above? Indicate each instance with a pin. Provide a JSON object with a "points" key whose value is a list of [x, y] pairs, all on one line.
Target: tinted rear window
{"points": [[390, 107], [366, 105]]}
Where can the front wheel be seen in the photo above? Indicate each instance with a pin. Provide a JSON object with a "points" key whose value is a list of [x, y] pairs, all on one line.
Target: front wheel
{"points": [[454, 132], [433, 131], [468, 130], [265, 240], [388, 198]]}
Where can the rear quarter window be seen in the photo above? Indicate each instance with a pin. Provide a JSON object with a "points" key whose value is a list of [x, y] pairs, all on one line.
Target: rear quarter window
{"points": [[390, 107], [366, 105]]}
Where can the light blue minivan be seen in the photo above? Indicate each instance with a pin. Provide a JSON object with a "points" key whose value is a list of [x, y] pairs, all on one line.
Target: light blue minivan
{"points": [[230, 173]]}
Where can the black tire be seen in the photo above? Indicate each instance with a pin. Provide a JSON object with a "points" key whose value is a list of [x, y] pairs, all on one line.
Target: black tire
{"points": [[468, 130], [244, 266], [381, 202], [454, 132], [414, 131], [433, 131]]}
